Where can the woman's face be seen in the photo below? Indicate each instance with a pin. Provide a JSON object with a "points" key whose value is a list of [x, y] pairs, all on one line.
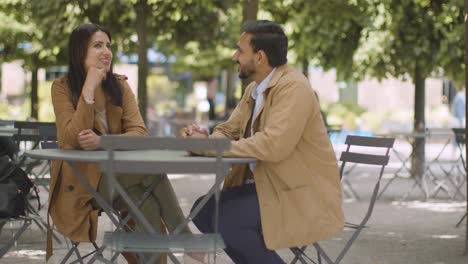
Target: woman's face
{"points": [[99, 54]]}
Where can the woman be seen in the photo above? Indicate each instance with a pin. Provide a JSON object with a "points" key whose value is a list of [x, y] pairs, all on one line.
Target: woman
{"points": [[89, 102]]}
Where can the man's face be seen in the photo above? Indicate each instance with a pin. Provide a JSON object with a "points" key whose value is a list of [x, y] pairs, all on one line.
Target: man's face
{"points": [[244, 56]]}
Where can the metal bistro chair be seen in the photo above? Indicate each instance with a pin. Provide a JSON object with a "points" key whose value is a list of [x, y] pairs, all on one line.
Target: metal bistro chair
{"points": [[31, 214], [450, 168], [150, 242], [349, 156], [28, 132], [460, 177], [42, 132], [460, 140], [24, 223]]}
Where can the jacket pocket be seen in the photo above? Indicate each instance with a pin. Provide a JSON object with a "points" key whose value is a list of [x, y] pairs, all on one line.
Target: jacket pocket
{"points": [[298, 212]]}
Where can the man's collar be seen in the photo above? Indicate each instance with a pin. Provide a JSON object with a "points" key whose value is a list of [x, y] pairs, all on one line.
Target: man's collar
{"points": [[277, 75], [260, 88]]}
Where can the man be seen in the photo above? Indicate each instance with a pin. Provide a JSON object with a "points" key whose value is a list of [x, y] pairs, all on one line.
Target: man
{"points": [[291, 196], [458, 108]]}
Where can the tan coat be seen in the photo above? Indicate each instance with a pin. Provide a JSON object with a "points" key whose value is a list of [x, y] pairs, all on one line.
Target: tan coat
{"points": [[296, 176], [69, 203]]}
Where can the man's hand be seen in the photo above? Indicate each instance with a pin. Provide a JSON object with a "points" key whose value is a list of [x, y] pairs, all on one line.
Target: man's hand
{"points": [[193, 131], [88, 140]]}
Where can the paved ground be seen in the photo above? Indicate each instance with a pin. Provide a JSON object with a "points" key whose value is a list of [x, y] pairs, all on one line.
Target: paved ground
{"points": [[412, 231]]}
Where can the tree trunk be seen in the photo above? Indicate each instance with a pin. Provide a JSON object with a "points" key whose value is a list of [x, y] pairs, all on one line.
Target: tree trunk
{"points": [[305, 68], [249, 12], [142, 14], [34, 93], [418, 158], [231, 75], [1, 77], [466, 110]]}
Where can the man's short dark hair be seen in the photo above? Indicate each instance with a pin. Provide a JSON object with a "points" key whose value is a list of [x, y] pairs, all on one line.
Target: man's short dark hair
{"points": [[269, 37]]}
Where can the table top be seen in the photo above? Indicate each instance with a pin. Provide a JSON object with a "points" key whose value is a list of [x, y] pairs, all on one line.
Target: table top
{"points": [[403, 134], [127, 155], [434, 135]]}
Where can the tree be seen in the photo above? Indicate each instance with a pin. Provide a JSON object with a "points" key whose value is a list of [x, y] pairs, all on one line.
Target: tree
{"points": [[466, 110], [35, 38], [415, 38], [249, 12], [402, 38], [155, 22]]}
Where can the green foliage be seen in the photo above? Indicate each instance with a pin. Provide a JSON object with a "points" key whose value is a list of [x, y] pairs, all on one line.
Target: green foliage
{"points": [[32, 33], [325, 32], [161, 94], [211, 47], [409, 33], [19, 109], [375, 38], [344, 114], [46, 109], [372, 121]]}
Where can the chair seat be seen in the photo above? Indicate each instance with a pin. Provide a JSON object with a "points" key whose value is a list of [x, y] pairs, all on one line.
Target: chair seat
{"points": [[142, 242]]}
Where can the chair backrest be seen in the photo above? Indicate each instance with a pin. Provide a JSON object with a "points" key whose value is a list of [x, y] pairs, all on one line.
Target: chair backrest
{"points": [[365, 158], [29, 131], [7, 122], [48, 135]]}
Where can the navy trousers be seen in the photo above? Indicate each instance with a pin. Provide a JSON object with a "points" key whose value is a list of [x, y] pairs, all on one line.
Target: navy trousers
{"points": [[239, 225]]}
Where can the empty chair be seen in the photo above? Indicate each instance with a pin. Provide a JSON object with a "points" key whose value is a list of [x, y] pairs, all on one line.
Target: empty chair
{"points": [[350, 156], [460, 140], [27, 132]]}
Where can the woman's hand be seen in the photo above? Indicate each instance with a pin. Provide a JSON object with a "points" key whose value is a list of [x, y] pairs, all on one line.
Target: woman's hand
{"points": [[193, 131], [94, 78], [88, 140]]}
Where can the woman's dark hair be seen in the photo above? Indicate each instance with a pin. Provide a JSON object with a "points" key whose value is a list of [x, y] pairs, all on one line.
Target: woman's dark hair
{"points": [[269, 37], [77, 49]]}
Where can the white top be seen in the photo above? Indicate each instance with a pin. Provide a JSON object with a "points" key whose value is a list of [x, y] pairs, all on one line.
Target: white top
{"points": [[257, 95], [103, 119]]}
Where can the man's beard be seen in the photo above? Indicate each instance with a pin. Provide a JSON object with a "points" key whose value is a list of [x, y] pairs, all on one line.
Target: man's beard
{"points": [[247, 71]]}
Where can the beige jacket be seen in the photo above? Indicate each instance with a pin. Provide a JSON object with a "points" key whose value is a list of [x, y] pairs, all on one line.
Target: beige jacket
{"points": [[69, 202], [296, 175]]}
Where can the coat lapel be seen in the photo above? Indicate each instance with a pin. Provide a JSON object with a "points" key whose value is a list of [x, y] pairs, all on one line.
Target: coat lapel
{"points": [[250, 108], [273, 81]]}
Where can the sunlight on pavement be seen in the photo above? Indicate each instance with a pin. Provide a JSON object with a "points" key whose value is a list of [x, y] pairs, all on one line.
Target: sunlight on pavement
{"points": [[445, 236], [30, 254], [447, 207]]}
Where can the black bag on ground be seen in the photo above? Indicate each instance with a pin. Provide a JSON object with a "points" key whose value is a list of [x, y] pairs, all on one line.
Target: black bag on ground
{"points": [[14, 189]]}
